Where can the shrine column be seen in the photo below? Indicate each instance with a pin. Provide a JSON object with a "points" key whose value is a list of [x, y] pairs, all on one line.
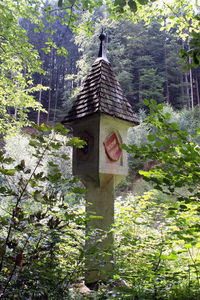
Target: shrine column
{"points": [[101, 116]]}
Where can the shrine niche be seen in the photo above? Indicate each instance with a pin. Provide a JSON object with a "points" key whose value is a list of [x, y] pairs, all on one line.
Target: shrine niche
{"points": [[84, 152], [101, 116]]}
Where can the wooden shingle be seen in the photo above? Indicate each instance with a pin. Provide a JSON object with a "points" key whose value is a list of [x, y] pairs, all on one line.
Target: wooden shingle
{"points": [[101, 93]]}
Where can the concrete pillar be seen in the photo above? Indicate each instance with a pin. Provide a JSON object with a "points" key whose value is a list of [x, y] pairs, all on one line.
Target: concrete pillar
{"points": [[100, 217]]}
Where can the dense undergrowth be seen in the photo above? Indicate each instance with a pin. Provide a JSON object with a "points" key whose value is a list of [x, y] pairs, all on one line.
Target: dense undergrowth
{"points": [[42, 218]]}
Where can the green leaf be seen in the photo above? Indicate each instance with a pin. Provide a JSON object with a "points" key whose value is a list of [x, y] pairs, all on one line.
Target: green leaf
{"points": [[95, 217], [33, 144], [133, 6], [172, 257], [33, 183], [143, 2], [167, 141], [124, 146], [172, 208], [78, 190], [160, 106], [60, 128], [153, 102], [167, 116], [178, 184], [151, 137], [60, 3], [21, 166], [75, 141], [158, 144], [120, 4], [28, 171], [178, 141], [145, 102], [65, 156], [55, 146], [183, 207], [52, 164], [9, 172], [188, 246], [174, 125], [145, 173], [2, 189]]}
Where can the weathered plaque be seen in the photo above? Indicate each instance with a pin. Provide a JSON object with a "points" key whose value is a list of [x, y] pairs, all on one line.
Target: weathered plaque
{"points": [[112, 147]]}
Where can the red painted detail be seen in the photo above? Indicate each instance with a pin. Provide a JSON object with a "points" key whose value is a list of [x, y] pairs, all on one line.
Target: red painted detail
{"points": [[112, 147]]}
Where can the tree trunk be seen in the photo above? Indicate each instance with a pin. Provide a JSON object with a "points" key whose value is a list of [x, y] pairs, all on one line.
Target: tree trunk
{"points": [[63, 78], [56, 100], [187, 90], [50, 86], [166, 73], [197, 90], [182, 88], [39, 100], [140, 88], [191, 87], [183, 80]]}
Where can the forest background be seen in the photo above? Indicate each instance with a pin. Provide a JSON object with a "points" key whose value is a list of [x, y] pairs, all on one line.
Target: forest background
{"points": [[46, 51]]}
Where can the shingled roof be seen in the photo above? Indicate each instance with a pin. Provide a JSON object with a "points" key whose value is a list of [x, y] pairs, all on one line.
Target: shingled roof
{"points": [[101, 93]]}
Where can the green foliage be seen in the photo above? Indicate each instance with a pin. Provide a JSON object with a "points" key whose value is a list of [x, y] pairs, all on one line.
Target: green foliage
{"points": [[162, 228], [176, 174], [172, 14], [152, 84], [19, 60], [194, 51], [157, 237], [174, 149], [41, 240], [145, 135], [157, 247]]}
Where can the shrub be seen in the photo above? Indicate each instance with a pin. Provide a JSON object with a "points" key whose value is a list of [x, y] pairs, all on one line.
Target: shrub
{"points": [[41, 237]]}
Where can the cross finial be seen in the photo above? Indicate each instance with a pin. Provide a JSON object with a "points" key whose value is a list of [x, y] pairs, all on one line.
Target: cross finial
{"points": [[102, 52]]}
